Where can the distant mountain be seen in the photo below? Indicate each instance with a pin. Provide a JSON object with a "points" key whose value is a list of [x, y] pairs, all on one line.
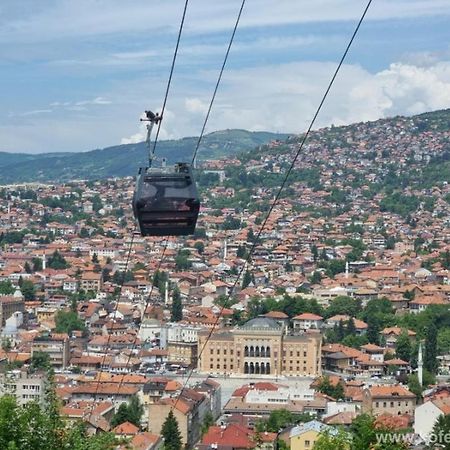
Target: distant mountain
{"points": [[124, 160]]}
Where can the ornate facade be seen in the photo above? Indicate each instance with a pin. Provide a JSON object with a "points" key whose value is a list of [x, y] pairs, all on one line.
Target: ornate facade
{"points": [[260, 347]]}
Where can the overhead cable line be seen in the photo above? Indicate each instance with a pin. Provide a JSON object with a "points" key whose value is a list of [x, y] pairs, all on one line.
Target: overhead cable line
{"points": [[175, 53], [277, 197], [218, 82], [200, 137], [122, 282], [166, 95]]}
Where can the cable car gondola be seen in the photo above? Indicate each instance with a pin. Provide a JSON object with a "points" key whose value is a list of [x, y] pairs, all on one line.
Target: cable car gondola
{"points": [[165, 201]]}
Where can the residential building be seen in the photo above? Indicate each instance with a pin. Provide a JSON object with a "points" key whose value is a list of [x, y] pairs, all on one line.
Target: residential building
{"points": [[395, 400], [9, 304], [56, 345], [237, 437], [189, 408], [25, 387], [305, 435]]}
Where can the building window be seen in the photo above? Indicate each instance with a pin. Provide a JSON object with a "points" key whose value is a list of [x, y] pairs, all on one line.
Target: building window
{"points": [[304, 354], [392, 404], [224, 351], [377, 404], [211, 351], [210, 366], [307, 443], [384, 404]]}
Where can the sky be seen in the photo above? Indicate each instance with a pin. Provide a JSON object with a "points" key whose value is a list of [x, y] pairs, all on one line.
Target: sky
{"points": [[77, 74]]}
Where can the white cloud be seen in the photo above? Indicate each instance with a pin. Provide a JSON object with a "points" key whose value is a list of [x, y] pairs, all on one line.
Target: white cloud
{"points": [[34, 112], [66, 18], [272, 97], [95, 101], [195, 105]]}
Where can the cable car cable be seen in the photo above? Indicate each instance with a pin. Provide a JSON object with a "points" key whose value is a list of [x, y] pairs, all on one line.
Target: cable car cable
{"points": [[218, 82], [122, 282], [263, 225], [175, 53], [197, 146], [230, 43]]}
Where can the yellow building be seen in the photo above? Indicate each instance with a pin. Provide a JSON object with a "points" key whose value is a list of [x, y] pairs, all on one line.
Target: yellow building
{"points": [[261, 347], [305, 435]]}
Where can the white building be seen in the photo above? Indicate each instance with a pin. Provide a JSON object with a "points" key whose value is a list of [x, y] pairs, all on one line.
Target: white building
{"points": [[23, 386], [426, 415]]}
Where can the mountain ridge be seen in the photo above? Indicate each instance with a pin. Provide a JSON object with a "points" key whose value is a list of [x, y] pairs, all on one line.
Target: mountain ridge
{"points": [[124, 160]]}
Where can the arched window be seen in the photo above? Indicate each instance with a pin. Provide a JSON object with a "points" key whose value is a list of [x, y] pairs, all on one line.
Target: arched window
{"points": [[246, 370], [256, 351], [263, 352], [268, 352], [257, 368], [252, 368], [263, 368], [252, 351], [246, 350], [267, 368]]}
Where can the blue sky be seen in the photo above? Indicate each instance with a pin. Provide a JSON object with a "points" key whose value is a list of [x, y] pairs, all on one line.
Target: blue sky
{"points": [[76, 74]]}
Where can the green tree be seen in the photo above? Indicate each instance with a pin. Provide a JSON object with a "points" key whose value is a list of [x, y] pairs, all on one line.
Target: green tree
{"points": [[316, 277], [247, 279], [57, 261], [129, 412], [6, 288], [35, 427], [403, 348], [68, 321], [339, 441], [177, 307], [28, 290], [430, 357], [208, 421], [182, 261], [314, 252], [335, 391], [6, 344], [200, 246], [37, 264], [343, 305], [27, 267], [40, 361], [241, 252], [351, 327], [373, 330], [171, 433], [441, 430]]}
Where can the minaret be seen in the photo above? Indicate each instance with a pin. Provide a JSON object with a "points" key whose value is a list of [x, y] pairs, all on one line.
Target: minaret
{"points": [[44, 262], [420, 365], [166, 293], [225, 250], [9, 207], [346, 269]]}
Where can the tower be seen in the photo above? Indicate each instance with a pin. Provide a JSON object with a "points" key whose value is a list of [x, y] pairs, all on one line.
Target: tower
{"points": [[346, 269], [44, 262], [420, 365], [166, 293], [225, 249]]}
